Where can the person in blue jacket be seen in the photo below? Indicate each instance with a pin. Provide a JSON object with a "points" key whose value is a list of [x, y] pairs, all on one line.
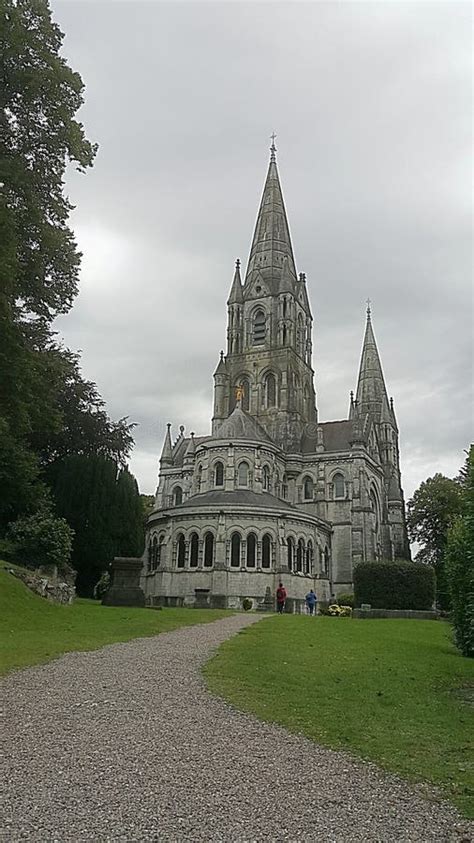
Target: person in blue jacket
{"points": [[311, 601]]}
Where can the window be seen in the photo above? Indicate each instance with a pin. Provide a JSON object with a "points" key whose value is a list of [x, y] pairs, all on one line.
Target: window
{"points": [[235, 550], [219, 474], [177, 496], [270, 390], [266, 478], [308, 489], [208, 550], [194, 548], [259, 328], [338, 480], [180, 551], [284, 488], [300, 555], [251, 550], [243, 474], [375, 508], [309, 557], [199, 478], [291, 553], [326, 561], [266, 551]]}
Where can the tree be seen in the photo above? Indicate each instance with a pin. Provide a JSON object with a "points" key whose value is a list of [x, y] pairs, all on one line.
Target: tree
{"points": [[102, 504], [460, 563], [47, 409], [431, 512]]}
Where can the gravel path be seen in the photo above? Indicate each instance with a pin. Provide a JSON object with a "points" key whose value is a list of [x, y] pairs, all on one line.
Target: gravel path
{"points": [[125, 744]]}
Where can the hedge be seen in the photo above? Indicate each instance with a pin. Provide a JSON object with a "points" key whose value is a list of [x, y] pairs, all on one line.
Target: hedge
{"points": [[394, 585]]}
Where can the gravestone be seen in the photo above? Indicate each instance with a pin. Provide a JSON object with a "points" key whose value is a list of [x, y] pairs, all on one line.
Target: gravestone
{"points": [[268, 603], [125, 583]]}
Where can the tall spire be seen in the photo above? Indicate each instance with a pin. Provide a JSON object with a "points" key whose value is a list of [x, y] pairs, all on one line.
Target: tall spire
{"points": [[271, 242], [371, 394]]}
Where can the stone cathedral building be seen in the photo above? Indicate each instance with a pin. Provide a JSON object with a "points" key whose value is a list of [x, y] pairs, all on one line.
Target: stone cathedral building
{"points": [[273, 493]]}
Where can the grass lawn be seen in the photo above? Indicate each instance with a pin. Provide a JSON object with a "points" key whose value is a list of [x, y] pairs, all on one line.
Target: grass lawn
{"points": [[386, 690], [32, 630]]}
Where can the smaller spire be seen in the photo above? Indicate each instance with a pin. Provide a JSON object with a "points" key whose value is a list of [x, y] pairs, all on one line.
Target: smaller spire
{"points": [[166, 454], [235, 295], [191, 449]]}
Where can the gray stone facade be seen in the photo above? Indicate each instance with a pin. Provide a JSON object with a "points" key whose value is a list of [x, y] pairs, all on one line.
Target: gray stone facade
{"points": [[273, 493]]}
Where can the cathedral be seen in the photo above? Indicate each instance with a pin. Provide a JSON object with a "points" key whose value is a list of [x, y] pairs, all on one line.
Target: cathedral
{"points": [[273, 494]]}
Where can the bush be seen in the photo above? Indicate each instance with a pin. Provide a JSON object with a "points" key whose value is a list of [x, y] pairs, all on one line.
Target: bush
{"points": [[394, 585], [247, 604], [41, 539], [346, 600], [460, 576], [338, 611]]}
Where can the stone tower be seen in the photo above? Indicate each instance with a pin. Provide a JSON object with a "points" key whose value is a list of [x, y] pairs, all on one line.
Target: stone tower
{"points": [[269, 331]]}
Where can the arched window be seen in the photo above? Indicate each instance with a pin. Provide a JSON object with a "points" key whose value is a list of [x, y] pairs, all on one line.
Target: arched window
{"points": [[154, 553], [243, 474], [199, 478], [284, 488], [150, 554], [208, 550], [291, 553], [245, 401], [266, 551], [266, 478], [235, 550], [375, 507], [259, 328], [339, 490], [219, 474], [300, 555], [326, 560], [270, 390], [180, 551], [159, 549], [308, 489], [309, 557], [301, 335], [251, 550], [194, 550], [177, 495]]}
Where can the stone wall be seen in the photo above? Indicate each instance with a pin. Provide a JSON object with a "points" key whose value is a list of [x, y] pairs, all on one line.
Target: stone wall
{"points": [[49, 585]]}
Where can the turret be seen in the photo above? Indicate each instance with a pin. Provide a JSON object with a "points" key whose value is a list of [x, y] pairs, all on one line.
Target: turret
{"points": [[221, 393], [166, 458]]}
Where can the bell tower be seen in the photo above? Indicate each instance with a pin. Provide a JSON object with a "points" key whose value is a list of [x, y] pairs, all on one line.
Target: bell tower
{"points": [[269, 328]]}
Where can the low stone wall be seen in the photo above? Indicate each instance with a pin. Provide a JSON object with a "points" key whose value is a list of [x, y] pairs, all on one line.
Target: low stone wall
{"points": [[411, 614], [53, 589]]}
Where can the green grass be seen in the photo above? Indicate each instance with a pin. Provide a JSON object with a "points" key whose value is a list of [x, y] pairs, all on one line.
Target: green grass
{"points": [[33, 631], [393, 691]]}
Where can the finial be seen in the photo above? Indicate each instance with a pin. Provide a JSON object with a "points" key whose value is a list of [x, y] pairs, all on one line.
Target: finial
{"points": [[237, 263], [352, 396], [181, 429], [168, 425], [368, 309], [273, 147], [222, 355], [303, 277], [391, 403], [192, 434]]}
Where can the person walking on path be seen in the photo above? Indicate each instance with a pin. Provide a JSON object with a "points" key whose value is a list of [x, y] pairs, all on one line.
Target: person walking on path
{"points": [[311, 602], [281, 598]]}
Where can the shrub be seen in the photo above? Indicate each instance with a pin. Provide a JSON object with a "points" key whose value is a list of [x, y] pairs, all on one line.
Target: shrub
{"points": [[394, 585], [247, 604], [346, 600], [338, 611], [460, 576], [41, 539]]}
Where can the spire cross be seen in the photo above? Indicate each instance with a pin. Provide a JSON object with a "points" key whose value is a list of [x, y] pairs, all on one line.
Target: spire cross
{"points": [[273, 147], [368, 307]]}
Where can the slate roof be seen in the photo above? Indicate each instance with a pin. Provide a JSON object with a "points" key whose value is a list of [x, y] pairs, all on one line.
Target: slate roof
{"points": [[239, 497], [240, 425], [336, 437]]}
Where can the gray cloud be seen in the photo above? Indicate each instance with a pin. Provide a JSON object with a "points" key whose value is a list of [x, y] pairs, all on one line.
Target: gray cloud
{"points": [[371, 103]]}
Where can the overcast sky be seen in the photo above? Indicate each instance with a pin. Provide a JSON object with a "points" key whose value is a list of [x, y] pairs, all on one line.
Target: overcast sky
{"points": [[371, 106]]}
